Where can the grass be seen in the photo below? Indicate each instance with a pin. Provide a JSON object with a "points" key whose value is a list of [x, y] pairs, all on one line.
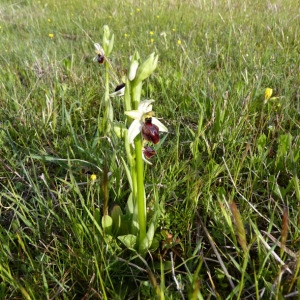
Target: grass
{"points": [[226, 177]]}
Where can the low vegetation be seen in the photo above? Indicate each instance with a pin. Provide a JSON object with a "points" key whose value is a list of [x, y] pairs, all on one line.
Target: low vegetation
{"points": [[223, 187]]}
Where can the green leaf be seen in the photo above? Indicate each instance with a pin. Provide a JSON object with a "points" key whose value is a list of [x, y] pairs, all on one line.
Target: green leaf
{"points": [[129, 240], [116, 215], [128, 173], [154, 245], [280, 192], [97, 215], [284, 147], [78, 229], [261, 143], [147, 242], [130, 206], [107, 224], [119, 130]]}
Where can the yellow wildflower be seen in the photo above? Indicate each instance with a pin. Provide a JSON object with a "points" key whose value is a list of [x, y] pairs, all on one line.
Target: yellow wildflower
{"points": [[51, 35], [179, 42], [93, 177], [268, 94]]}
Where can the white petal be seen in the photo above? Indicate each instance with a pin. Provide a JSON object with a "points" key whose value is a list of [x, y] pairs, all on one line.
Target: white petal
{"points": [[145, 106], [99, 49], [97, 46], [145, 160], [160, 125], [118, 93], [134, 129], [132, 70], [134, 114]]}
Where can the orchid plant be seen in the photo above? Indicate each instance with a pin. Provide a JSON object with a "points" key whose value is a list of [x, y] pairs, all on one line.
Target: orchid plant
{"points": [[102, 56], [142, 130]]}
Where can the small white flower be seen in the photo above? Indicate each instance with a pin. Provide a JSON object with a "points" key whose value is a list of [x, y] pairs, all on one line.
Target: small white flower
{"points": [[144, 111]]}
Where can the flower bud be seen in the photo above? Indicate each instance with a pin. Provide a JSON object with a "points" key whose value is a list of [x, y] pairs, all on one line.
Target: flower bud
{"points": [[108, 42], [106, 33], [148, 152], [110, 45], [146, 68], [132, 69]]}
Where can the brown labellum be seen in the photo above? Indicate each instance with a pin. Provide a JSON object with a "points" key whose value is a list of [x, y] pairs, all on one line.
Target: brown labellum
{"points": [[148, 152], [150, 131], [100, 58]]}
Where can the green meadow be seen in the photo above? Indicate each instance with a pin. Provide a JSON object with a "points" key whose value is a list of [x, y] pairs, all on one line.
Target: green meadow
{"points": [[223, 188]]}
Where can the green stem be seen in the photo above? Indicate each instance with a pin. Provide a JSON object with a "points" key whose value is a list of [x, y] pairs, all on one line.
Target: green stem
{"points": [[127, 97], [106, 83], [108, 113], [135, 217], [131, 159], [136, 95], [141, 201]]}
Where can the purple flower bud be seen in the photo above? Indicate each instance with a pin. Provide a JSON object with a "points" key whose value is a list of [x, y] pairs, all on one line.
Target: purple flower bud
{"points": [[148, 152]]}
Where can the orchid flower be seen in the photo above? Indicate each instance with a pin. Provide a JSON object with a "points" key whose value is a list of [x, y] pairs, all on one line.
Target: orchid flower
{"points": [[119, 91], [144, 122], [147, 152], [150, 132], [100, 58]]}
